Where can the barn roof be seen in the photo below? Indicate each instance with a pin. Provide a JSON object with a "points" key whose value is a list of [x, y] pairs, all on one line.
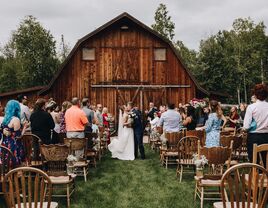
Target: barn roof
{"points": [[102, 28], [27, 90]]}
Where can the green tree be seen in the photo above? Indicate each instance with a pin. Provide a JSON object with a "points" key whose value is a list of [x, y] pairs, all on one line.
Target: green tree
{"points": [[64, 49], [37, 48], [163, 23]]}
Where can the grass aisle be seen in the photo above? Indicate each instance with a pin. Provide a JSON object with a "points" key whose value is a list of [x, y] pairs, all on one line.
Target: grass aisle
{"points": [[132, 184], [135, 184]]}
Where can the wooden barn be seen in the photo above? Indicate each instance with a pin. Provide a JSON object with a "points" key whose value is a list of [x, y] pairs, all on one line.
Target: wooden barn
{"points": [[124, 60]]}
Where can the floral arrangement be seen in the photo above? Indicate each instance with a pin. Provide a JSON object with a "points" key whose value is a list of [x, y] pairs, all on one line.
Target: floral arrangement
{"points": [[71, 158], [199, 162], [196, 103]]}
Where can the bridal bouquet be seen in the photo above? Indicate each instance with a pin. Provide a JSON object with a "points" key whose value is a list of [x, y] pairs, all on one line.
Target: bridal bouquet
{"points": [[131, 117]]}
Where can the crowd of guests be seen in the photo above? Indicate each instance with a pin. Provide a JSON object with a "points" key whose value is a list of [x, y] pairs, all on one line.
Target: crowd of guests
{"points": [[252, 118], [47, 120]]}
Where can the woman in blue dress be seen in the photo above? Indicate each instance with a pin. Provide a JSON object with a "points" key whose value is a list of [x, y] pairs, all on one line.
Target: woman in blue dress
{"points": [[213, 124], [11, 130]]}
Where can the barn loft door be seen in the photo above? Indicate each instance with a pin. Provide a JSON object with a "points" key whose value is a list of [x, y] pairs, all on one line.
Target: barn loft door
{"points": [[125, 64]]}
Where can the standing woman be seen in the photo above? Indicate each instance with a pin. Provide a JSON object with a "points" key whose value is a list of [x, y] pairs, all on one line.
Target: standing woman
{"points": [[106, 124], [42, 122], [256, 119], [12, 129], [65, 105], [233, 117], [190, 120], [213, 124]]}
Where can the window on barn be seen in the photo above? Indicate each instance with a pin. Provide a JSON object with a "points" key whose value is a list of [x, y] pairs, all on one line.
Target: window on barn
{"points": [[160, 54], [88, 54]]}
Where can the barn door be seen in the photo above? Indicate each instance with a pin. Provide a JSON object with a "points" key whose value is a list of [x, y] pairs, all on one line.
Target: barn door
{"points": [[157, 96], [129, 95]]}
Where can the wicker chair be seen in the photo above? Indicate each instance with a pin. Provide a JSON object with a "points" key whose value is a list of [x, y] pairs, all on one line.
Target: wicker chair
{"points": [[187, 147], [55, 160], [78, 147], [236, 192], [208, 184], [28, 187]]}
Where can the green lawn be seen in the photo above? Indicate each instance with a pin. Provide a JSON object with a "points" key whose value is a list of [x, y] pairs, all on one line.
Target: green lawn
{"points": [[135, 184]]}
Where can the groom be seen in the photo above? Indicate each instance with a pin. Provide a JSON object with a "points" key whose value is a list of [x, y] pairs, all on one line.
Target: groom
{"points": [[138, 131]]}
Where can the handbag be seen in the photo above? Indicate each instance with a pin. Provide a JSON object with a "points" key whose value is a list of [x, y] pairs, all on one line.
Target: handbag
{"points": [[253, 125]]}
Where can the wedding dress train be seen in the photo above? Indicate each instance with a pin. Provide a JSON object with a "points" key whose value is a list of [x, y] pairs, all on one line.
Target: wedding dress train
{"points": [[122, 147]]}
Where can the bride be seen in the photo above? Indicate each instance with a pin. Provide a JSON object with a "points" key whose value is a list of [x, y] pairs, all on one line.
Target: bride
{"points": [[123, 146]]}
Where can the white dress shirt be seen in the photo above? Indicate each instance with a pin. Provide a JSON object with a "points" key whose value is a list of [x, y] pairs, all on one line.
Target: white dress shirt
{"points": [[25, 112], [259, 112], [170, 120]]}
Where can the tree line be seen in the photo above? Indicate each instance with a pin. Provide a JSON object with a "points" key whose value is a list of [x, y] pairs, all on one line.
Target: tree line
{"points": [[230, 61]]}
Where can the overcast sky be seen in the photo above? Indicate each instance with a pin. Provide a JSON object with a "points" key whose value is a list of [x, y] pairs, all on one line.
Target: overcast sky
{"points": [[194, 19]]}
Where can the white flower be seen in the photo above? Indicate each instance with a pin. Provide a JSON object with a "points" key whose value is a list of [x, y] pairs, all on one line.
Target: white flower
{"points": [[71, 158]]}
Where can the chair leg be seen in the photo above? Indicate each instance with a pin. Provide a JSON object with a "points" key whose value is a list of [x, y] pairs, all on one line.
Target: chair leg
{"points": [[202, 197], [85, 175], [195, 191], [68, 196], [181, 173], [166, 162]]}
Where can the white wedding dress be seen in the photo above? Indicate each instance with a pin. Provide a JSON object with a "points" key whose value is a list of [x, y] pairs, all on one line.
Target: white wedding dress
{"points": [[123, 146]]}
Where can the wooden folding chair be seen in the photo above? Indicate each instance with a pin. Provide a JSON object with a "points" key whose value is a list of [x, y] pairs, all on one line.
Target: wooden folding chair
{"points": [[55, 160], [28, 187], [207, 186], [78, 147], [236, 192], [187, 147]]}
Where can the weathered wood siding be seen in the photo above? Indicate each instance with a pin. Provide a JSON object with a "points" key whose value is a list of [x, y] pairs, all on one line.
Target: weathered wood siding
{"points": [[124, 57]]}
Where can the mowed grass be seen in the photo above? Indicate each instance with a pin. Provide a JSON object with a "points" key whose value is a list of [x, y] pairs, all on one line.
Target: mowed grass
{"points": [[134, 184]]}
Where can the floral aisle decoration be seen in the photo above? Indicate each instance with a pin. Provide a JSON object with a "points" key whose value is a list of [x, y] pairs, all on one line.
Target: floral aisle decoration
{"points": [[71, 159], [200, 163], [198, 103]]}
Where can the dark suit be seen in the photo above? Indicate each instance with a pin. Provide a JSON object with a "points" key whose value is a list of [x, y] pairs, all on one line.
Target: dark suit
{"points": [[138, 134]]}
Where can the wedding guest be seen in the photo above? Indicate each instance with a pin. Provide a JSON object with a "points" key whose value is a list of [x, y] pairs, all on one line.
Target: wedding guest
{"points": [[233, 117], [95, 128], [170, 120], [1, 113], [75, 120], [256, 119], [253, 99], [152, 110], [154, 122], [106, 124], [25, 112], [242, 108], [11, 130], [213, 124], [65, 105], [42, 123], [89, 113], [99, 115], [54, 112], [190, 121]]}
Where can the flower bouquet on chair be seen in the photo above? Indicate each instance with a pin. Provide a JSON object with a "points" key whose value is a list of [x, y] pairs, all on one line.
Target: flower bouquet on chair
{"points": [[200, 163], [71, 159]]}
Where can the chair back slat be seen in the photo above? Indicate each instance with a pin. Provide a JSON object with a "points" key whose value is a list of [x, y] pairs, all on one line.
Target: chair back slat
{"points": [[187, 147], [21, 184], [243, 185], [260, 155], [217, 157], [173, 139], [201, 134], [31, 147]]}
